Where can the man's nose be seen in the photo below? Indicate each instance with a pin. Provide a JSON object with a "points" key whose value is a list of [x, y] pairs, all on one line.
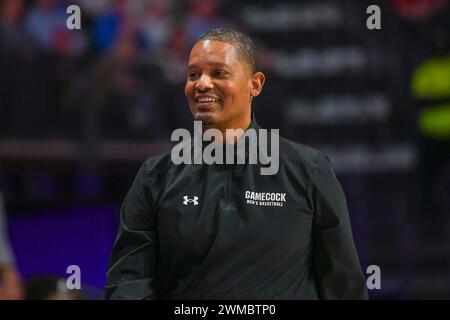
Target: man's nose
{"points": [[204, 83]]}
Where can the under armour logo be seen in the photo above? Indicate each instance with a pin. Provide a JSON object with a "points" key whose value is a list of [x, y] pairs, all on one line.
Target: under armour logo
{"points": [[187, 200]]}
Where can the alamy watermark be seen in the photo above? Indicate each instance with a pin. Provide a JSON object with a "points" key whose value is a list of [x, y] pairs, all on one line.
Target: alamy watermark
{"points": [[256, 151], [73, 21], [74, 280], [374, 279], [374, 20]]}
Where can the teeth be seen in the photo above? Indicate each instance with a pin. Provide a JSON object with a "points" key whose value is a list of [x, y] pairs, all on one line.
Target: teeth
{"points": [[206, 99]]}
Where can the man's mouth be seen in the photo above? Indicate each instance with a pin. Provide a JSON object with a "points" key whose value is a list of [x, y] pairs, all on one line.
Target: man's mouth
{"points": [[206, 100]]}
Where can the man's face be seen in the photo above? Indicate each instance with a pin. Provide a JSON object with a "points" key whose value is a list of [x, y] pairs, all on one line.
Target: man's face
{"points": [[219, 85]]}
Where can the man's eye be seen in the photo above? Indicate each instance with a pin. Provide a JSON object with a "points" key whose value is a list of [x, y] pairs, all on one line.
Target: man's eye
{"points": [[193, 75], [220, 73]]}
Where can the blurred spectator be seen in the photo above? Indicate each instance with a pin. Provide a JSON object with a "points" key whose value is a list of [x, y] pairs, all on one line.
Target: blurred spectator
{"points": [[48, 287], [94, 8], [109, 25], [46, 27], [118, 92], [10, 280], [155, 25], [204, 15], [417, 9], [12, 36], [173, 64], [42, 23]]}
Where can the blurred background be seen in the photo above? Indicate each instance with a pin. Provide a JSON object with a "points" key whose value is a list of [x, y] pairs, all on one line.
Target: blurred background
{"points": [[80, 110]]}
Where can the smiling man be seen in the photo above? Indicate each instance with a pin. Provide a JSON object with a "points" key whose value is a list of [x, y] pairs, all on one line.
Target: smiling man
{"points": [[225, 231], [222, 80]]}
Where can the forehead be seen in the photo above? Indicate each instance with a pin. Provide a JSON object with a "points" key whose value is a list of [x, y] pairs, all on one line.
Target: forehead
{"points": [[210, 52]]}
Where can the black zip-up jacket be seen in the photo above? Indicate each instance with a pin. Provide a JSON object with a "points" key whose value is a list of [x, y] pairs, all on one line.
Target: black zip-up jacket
{"points": [[228, 232]]}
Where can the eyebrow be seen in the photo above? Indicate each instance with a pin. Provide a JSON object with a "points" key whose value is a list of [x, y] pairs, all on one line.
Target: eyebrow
{"points": [[217, 64]]}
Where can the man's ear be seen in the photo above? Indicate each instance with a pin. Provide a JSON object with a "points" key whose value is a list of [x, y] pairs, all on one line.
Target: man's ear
{"points": [[257, 83]]}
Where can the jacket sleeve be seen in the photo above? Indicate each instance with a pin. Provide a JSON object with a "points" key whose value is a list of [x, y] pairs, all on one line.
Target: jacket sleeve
{"points": [[132, 268], [337, 267]]}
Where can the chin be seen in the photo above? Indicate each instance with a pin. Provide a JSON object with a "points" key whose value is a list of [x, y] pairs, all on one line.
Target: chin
{"points": [[206, 118]]}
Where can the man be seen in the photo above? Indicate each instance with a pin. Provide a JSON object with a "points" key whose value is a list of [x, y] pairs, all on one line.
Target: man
{"points": [[202, 232]]}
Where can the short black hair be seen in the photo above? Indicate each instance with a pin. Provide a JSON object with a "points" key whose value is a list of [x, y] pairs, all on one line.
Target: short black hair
{"points": [[245, 47]]}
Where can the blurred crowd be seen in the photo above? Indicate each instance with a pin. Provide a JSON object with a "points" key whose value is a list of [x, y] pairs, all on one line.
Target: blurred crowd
{"points": [[126, 59]]}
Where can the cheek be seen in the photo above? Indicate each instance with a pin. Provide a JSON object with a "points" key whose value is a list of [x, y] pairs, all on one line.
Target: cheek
{"points": [[188, 89], [230, 91], [243, 92]]}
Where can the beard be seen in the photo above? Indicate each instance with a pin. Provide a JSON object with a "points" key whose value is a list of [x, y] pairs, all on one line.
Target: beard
{"points": [[206, 119]]}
